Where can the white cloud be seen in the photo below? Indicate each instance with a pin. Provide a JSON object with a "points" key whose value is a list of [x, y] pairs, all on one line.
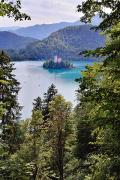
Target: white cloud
{"points": [[46, 11]]}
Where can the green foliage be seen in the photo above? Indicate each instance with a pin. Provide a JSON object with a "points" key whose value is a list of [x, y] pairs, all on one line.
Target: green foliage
{"points": [[89, 9], [99, 105], [9, 88], [31, 153], [10, 133], [48, 97], [47, 145], [12, 9], [37, 104], [57, 143], [60, 112]]}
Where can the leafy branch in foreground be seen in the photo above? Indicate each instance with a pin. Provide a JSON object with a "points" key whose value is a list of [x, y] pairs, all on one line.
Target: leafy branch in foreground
{"points": [[12, 9], [90, 8], [98, 111]]}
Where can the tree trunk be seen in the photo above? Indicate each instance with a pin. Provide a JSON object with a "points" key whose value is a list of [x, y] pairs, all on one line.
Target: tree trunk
{"points": [[35, 172], [60, 154], [35, 159]]}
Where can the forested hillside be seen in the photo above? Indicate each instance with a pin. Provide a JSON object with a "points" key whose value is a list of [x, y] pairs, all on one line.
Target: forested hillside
{"points": [[66, 43]]}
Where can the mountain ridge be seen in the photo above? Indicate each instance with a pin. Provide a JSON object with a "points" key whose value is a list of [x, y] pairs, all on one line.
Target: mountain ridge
{"points": [[66, 43], [9, 40], [44, 30]]}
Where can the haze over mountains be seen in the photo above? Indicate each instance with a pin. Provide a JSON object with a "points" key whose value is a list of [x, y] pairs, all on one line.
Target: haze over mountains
{"points": [[65, 39], [41, 31], [66, 43]]}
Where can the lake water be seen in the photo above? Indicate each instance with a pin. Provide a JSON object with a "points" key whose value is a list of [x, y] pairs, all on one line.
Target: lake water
{"points": [[35, 81]]}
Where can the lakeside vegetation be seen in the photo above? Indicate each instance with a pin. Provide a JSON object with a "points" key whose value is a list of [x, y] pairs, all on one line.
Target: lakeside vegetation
{"points": [[59, 142], [57, 65]]}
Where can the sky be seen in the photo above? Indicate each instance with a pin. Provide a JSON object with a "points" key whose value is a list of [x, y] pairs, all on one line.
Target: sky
{"points": [[45, 11]]}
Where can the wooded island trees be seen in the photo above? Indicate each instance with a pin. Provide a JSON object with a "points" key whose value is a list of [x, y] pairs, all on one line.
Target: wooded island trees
{"points": [[57, 65]]}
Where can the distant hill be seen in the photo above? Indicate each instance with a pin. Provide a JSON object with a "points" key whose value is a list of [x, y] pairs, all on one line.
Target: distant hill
{"points": [[10, 40], [66, 43], [42, 31]]}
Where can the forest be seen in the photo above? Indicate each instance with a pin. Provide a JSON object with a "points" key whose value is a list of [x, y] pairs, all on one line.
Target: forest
{"points": [[60, 142]]}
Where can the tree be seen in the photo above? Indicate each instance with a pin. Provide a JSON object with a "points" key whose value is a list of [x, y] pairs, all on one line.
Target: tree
{"points": [[85, 139], [30, 155], [48, 97], [37, 104], [90, 8], [43, 104], [10, 133], [12, 9], [99, 94], [60, 111], [36, 127], [9, 88]]}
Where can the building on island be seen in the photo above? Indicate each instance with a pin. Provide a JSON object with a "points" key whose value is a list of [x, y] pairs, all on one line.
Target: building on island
{"points": [[57, 59]]}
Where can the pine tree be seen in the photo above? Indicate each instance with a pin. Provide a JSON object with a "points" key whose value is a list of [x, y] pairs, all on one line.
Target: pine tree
{"points": [[9, 88], [48, 97], [37, 104]]}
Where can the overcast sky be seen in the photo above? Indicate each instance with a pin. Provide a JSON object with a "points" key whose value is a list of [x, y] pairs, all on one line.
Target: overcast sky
{"points": [[46, 11]]}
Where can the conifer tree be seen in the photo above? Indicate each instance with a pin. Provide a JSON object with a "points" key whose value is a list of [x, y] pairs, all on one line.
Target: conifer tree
{"points": [[37, 104], [48, 97], [9, 88]]}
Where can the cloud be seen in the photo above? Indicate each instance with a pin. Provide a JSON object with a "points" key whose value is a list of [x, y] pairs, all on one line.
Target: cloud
{"points": [[46, 11]]}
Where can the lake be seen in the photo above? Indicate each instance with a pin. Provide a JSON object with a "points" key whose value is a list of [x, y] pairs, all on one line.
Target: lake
{"points": [[35, 81]]}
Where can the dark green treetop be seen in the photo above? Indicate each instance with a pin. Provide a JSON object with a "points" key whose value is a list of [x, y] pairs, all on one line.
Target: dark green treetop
{"points": [[48, 97]]}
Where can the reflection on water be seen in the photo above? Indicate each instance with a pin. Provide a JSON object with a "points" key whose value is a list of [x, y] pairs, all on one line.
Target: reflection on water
{"points": [[35, 81]]}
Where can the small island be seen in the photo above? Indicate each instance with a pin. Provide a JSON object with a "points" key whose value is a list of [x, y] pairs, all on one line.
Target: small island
{"points": [[57, 63]]}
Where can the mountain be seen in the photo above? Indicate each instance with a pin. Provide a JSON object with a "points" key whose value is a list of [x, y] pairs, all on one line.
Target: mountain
{"points": [[44, 30], [10, 40], [66, 43]]}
